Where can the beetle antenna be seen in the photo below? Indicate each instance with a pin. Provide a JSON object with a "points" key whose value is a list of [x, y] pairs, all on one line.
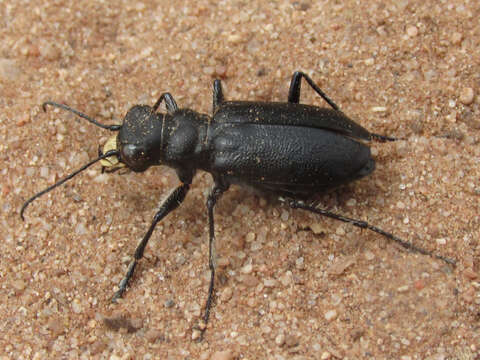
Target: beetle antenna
{"points": [[68, 177], [82, 115]]}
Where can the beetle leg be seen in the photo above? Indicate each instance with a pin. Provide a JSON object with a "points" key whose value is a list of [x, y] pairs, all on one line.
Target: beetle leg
{"points": [[169, 102], [294, 97], [383, 138], [171, 203], [217, 95], [297, 204], [214, 195], [295, 85]]}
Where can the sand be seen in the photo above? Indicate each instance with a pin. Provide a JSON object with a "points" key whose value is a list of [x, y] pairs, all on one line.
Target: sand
{"points": [[291, 285]]}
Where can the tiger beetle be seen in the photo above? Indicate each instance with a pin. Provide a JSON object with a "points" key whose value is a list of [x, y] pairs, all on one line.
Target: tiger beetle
{"points": [[289, 149]]}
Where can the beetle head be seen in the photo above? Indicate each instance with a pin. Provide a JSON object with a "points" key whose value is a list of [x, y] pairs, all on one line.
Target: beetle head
{"points": [[138, 142], [136, 146]]}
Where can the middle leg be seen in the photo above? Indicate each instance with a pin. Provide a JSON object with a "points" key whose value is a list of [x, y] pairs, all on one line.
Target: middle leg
{"points": [[213, 197], [217, 95], [295, 85]]}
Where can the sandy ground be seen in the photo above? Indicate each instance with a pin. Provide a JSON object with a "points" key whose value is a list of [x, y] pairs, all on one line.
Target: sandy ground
{"points": [[291, 285]]}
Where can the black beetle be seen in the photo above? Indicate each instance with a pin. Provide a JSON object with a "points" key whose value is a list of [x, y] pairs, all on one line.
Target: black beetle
{"points": [[290, 149]]}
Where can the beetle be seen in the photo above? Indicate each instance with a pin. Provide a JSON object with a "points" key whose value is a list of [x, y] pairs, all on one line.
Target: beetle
{"points": [[290, 149]]}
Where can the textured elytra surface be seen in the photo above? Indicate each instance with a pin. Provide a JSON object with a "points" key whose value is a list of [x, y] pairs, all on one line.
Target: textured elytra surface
{"points": [[291, 284]]}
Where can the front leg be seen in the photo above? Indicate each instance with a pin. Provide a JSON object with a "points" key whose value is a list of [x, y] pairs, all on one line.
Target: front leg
{"points": [[171, 203], [169, 102]]}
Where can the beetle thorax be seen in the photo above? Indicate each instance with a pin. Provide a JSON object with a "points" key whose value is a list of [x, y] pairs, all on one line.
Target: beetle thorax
{"points": [[184, 137]]}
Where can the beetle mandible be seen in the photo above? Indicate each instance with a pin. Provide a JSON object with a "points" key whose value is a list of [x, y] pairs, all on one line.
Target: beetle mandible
{"points": [[291, 149]]}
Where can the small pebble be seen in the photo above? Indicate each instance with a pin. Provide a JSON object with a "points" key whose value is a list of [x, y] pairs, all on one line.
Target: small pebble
{"points": [[339, 266], [377, 109], [9, 71], [44, 172], [101, 178], [56, 326], [205, 355], [369, 61], [80, 229], [202, 325], [180, 259], [300, 263], [226, 294], [467, 96], [19, 284], [369, 255], [248, 280], [470, 274], [196, 335], [153, 335], [208, 70], [136, 323], [318, 228], [331, 315], [286, 279], [169, 303], [351, 202], [441, 241], [291, 340], [280, 339], [456, 38], [419, 284], [234, 39], [250, 237], [220, 70], [266, 329], [412, 31], [223, 262], [247, 269], [50, 51], [270, 283], [222, 355], [76, 306]]}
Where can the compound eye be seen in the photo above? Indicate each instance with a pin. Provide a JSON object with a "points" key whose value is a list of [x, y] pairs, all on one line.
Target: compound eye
{"points": [[134, 157], [131, 153]]}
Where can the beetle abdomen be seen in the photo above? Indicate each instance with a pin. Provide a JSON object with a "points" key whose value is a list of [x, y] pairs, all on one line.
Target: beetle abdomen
{"points": [[294, 159]]}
